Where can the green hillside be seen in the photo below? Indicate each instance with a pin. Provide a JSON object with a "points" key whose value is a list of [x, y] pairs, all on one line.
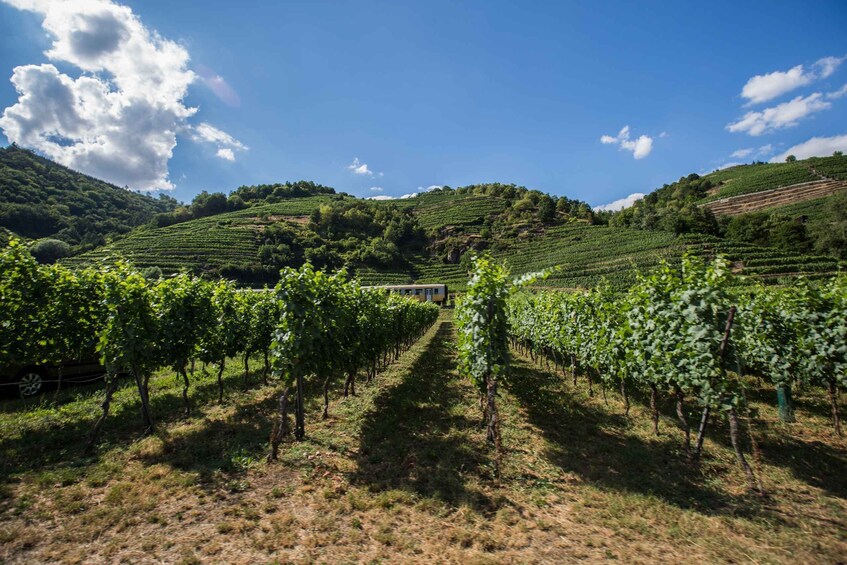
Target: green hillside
{"points": [[231, 244], [255, 230], [758, 177], [745, 179], [40, 198], [790, 206]]}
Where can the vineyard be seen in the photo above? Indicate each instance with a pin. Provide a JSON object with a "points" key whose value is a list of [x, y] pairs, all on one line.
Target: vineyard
{"points": [[775, 198], [834, 167], [216, 242], [746, 179], [317, 420], [311, 324]]}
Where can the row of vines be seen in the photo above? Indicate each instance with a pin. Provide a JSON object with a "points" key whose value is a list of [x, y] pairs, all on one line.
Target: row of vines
{"points": [[311, 327], [688, 331]]}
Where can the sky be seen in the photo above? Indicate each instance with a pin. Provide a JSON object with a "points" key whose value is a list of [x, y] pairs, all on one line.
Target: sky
{"points": [[599, 101]]}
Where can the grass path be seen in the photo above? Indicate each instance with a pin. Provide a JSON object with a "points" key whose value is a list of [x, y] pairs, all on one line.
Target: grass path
{"points": [[402, 473]]}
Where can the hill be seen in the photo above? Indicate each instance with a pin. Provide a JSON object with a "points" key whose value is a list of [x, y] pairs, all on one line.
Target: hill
{"points": [[429, 239], [42, 199], [251, 233], [753, 203]]}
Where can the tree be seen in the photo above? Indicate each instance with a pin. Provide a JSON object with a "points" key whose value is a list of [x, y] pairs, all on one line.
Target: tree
{"points": [[790, 159], [48, 251]]}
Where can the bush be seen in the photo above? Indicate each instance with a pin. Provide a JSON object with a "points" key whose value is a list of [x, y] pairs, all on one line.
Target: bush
{"points": [[48, 251]]}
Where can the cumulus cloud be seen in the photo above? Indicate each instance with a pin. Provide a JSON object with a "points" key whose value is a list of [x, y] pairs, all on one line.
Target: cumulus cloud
{"points": [[762, 88], [640, 147], [120, 118], [380, 197], [359, 168], [376, 189], [226, 154], [814, 147], [621, 203], [785, 115]]}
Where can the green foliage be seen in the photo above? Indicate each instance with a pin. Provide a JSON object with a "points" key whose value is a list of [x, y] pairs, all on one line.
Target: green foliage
{"points": [[221, 340], [667, 330], [482, 323], [48, 251], [771, 230], [39, 198], [184, 314], [823, 331], [129, 339], [24, 291], [746, 179]]}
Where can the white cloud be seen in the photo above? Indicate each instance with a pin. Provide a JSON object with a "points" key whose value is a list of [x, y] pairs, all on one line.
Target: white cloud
{"points": [[622, 203], [747, 152], [376, 189], [380, 197], [837, 94], [640, 147], [814, 147], [227, 145], [226, 154], [784, 115], [410, 195], [360, 168], [742, 153], [120, 118], [762, 88], [764, 150], [827, 65], [219, 86]]}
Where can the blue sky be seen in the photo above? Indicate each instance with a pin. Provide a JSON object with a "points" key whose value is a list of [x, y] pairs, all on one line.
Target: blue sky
{"points": [[421, 93]]}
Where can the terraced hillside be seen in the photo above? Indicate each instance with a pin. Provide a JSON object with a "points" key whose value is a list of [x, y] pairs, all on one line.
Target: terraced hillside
{"points": [[775, 198], [230, 244], [582, 255], [439, 210], [206, 244], [747, 179], [762, 186]]}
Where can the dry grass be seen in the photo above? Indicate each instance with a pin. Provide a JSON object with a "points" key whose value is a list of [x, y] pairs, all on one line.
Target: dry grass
{"points": [[402, 473]]}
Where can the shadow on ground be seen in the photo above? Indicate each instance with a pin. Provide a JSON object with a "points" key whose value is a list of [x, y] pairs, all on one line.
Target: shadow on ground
{"points": [[594, 444], [57, 444], [417, 437]]}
